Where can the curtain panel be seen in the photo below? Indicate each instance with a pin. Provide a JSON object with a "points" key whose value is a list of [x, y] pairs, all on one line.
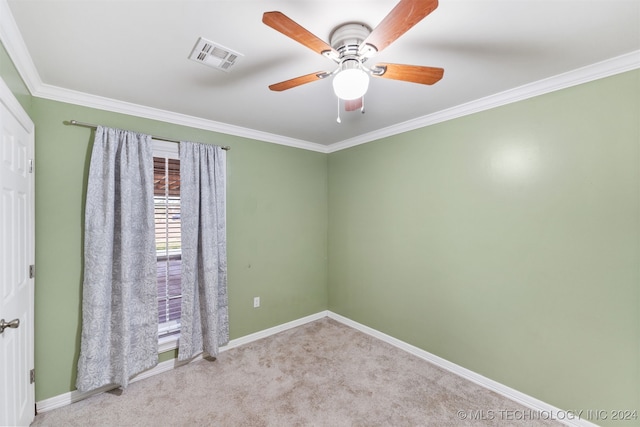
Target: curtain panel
{"points": [[204, 324], [119, 302]]}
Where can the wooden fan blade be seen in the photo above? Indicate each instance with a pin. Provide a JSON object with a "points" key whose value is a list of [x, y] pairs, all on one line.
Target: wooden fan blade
{"points": [[297, 81], [409, 73], [405, 15], [282, 23], [353, 104]]}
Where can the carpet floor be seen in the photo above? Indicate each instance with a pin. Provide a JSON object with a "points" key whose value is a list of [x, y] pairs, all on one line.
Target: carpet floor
{"points": [[320, 374]]}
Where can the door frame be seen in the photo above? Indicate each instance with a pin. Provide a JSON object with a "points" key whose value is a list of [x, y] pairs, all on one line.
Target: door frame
{"points": [[8, 99]]}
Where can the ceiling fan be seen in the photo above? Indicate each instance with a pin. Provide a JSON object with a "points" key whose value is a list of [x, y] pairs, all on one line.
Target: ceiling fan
{"points": [[351, 45]]}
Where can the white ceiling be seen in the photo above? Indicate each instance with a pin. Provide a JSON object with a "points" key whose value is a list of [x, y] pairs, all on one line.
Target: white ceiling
{"points": [[136, 52]]}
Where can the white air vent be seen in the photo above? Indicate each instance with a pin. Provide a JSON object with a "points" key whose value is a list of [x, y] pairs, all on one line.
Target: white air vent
{"points": [[214, 55]]}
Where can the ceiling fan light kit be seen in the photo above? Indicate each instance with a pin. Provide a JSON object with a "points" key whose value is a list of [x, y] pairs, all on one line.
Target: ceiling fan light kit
{"points": [[351, 82], [352, 44], [351, 79]]}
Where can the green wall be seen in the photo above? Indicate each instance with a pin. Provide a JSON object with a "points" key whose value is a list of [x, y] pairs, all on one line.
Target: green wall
{"points": [[507, 242], [276, 231], [12, 78]]}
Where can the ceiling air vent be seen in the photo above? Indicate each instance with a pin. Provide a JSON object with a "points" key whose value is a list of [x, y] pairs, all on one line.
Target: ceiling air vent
{"points": [[214, 55]]}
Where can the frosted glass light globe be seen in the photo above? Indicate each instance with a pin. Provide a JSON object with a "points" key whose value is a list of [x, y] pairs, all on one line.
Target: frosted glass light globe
{"points": [[351, 83]]}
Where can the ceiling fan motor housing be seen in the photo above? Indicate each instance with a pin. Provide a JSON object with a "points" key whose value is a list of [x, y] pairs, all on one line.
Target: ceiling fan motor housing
{"points": [[347, 38]]}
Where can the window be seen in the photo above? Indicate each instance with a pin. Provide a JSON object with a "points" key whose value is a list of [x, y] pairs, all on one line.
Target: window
{"points": [[166, 170]]}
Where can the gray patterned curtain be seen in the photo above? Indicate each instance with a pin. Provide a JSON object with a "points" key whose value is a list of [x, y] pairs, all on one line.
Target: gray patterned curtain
{"points": [[119, 297], [204, 321]]}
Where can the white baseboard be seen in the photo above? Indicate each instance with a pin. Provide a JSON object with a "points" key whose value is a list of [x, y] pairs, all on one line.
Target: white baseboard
{"points": [[538, 407], [272, 331], [75, 395]]}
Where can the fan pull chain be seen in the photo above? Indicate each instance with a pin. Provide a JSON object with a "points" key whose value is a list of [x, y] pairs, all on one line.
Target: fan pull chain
{"points": [[362, 106], [338, 119]]}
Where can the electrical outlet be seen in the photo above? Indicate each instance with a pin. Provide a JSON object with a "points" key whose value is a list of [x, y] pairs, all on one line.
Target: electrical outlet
{"points": [[256, 302]]}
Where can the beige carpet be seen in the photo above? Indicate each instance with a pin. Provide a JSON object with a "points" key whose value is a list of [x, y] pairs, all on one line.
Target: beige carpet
{"points": [[320, 374]]}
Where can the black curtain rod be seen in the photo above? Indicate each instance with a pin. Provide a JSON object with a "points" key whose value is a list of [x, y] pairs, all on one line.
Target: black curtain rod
{"points": [[160, 138]]}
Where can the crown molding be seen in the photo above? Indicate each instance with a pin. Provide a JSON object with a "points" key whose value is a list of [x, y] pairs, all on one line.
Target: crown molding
{"points": [[609, 67], [17, 50], [55, 93]]}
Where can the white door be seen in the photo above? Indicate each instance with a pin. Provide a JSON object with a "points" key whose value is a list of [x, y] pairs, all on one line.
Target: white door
{"points": [[17, 398]]}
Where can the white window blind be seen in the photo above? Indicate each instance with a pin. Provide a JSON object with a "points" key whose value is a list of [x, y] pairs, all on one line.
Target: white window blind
{"points": [[168, 243]]}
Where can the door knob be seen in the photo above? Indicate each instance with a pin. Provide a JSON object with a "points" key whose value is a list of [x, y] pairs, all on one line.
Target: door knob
{"points": [[13, 324]]}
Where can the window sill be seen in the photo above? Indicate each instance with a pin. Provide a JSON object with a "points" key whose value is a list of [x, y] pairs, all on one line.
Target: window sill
{"points": [[168, 343]]}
